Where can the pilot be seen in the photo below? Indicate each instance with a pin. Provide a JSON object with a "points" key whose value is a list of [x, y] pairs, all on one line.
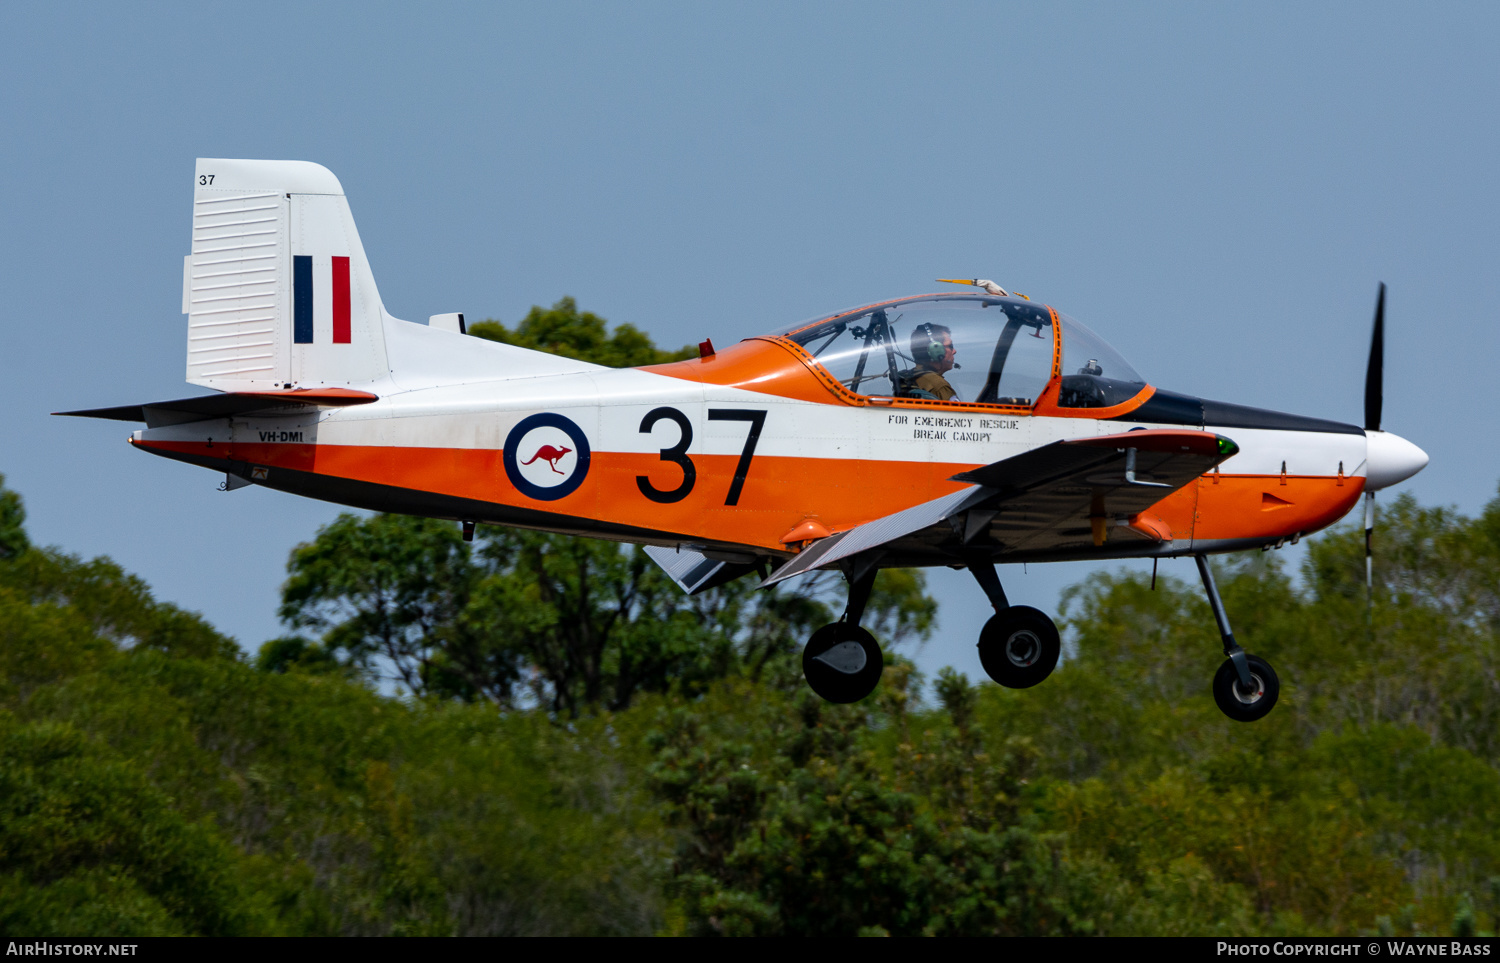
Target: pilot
{"points": [[932, 349]]}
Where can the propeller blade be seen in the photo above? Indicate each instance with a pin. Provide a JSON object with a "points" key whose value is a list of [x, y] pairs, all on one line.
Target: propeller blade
{"points": [[1375, 373], [1369, 561]]}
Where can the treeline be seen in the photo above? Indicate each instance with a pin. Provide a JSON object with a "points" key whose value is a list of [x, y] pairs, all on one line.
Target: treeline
{"points": [[539, 735]]}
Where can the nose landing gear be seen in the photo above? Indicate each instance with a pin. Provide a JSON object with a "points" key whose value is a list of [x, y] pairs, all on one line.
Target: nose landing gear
{"points": [[1245, 687], [1246, 703], [842, 662]]}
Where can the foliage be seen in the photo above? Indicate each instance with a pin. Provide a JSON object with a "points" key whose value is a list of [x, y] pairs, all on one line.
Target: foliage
{"points": [[89, 845], [13, 540], [149, 788], [1368, 787], [393, 588], [356, 814], [112, 604], [796, 823], [293, 653], [562, 329], [567, 623]]}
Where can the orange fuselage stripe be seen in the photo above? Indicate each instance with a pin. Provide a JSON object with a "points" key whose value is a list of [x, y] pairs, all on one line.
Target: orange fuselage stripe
{"points": [[779, 493]]}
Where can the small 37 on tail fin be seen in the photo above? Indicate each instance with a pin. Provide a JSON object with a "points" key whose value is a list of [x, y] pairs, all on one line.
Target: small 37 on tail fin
{"points": [[277, 289]]}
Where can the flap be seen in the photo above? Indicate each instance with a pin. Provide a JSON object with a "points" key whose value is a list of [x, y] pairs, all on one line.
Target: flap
{"points": [[693, 571]]}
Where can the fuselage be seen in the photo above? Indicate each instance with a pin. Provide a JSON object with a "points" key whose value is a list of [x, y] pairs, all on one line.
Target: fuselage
{"points": [[666, 456]]}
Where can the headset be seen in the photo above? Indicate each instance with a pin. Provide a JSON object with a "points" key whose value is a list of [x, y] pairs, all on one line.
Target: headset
{"points": [[935, 348]]}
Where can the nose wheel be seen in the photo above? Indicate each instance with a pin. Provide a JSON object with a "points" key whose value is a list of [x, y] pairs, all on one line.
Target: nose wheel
{"points": [[1019, 646], [1244, 703]]}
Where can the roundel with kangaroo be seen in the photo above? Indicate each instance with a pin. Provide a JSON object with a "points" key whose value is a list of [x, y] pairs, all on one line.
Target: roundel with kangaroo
{"points": [[546, 456]]}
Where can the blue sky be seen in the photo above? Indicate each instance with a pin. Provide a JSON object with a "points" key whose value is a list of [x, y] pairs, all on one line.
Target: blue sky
{"points": [[1216, 189]]}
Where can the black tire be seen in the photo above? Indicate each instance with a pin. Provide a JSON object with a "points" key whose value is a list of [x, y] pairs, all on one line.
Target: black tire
{"points": [[1019, 647], [838, 671], [1232, 699]]}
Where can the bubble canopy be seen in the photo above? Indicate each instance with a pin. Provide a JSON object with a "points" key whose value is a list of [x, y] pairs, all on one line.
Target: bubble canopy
{"points": [[971, 348]]}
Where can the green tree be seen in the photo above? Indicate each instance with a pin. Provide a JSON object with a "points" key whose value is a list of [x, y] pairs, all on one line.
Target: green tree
{"points": [[391, 591], [594, 624], [564, 330], [95, 598], [116, 605], [575, 623], [146, 789], [1353, 799], [803, 818], [13, 540], [88, 846]]}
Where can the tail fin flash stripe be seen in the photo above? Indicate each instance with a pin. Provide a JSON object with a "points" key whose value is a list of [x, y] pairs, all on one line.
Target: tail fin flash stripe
{"points": [[340, 300], [336, 308], [302, 299]]}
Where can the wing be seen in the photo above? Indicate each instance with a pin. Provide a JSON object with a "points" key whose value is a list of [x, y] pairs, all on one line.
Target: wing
{"points": [[1062, 498], [158, 413]]}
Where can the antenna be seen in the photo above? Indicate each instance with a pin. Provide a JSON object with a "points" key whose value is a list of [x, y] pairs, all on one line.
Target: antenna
{"points": [[988, 285]]}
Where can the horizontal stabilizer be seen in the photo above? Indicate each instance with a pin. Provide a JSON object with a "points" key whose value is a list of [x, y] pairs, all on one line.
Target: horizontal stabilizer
{"points": [[160, 413]]}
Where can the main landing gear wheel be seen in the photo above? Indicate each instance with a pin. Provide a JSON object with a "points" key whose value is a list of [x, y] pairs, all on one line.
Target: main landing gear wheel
{"points": [[1019, 647], [1235, 701], [842, 662]]}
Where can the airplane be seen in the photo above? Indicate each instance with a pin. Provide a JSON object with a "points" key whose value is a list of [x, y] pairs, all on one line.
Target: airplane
{"points": [[963, 429]]}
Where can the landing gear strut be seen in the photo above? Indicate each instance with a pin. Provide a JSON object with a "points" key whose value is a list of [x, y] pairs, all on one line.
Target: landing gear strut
{"points": [[1245, 687], [842, 661], [1019, 645]]}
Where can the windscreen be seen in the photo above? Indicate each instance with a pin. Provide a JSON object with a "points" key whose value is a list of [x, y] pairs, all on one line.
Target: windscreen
{"points": [[1094, 375]]}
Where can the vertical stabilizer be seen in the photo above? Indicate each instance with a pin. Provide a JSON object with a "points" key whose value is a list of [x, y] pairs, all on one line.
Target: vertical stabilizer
{"points": [[277, 289]]}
